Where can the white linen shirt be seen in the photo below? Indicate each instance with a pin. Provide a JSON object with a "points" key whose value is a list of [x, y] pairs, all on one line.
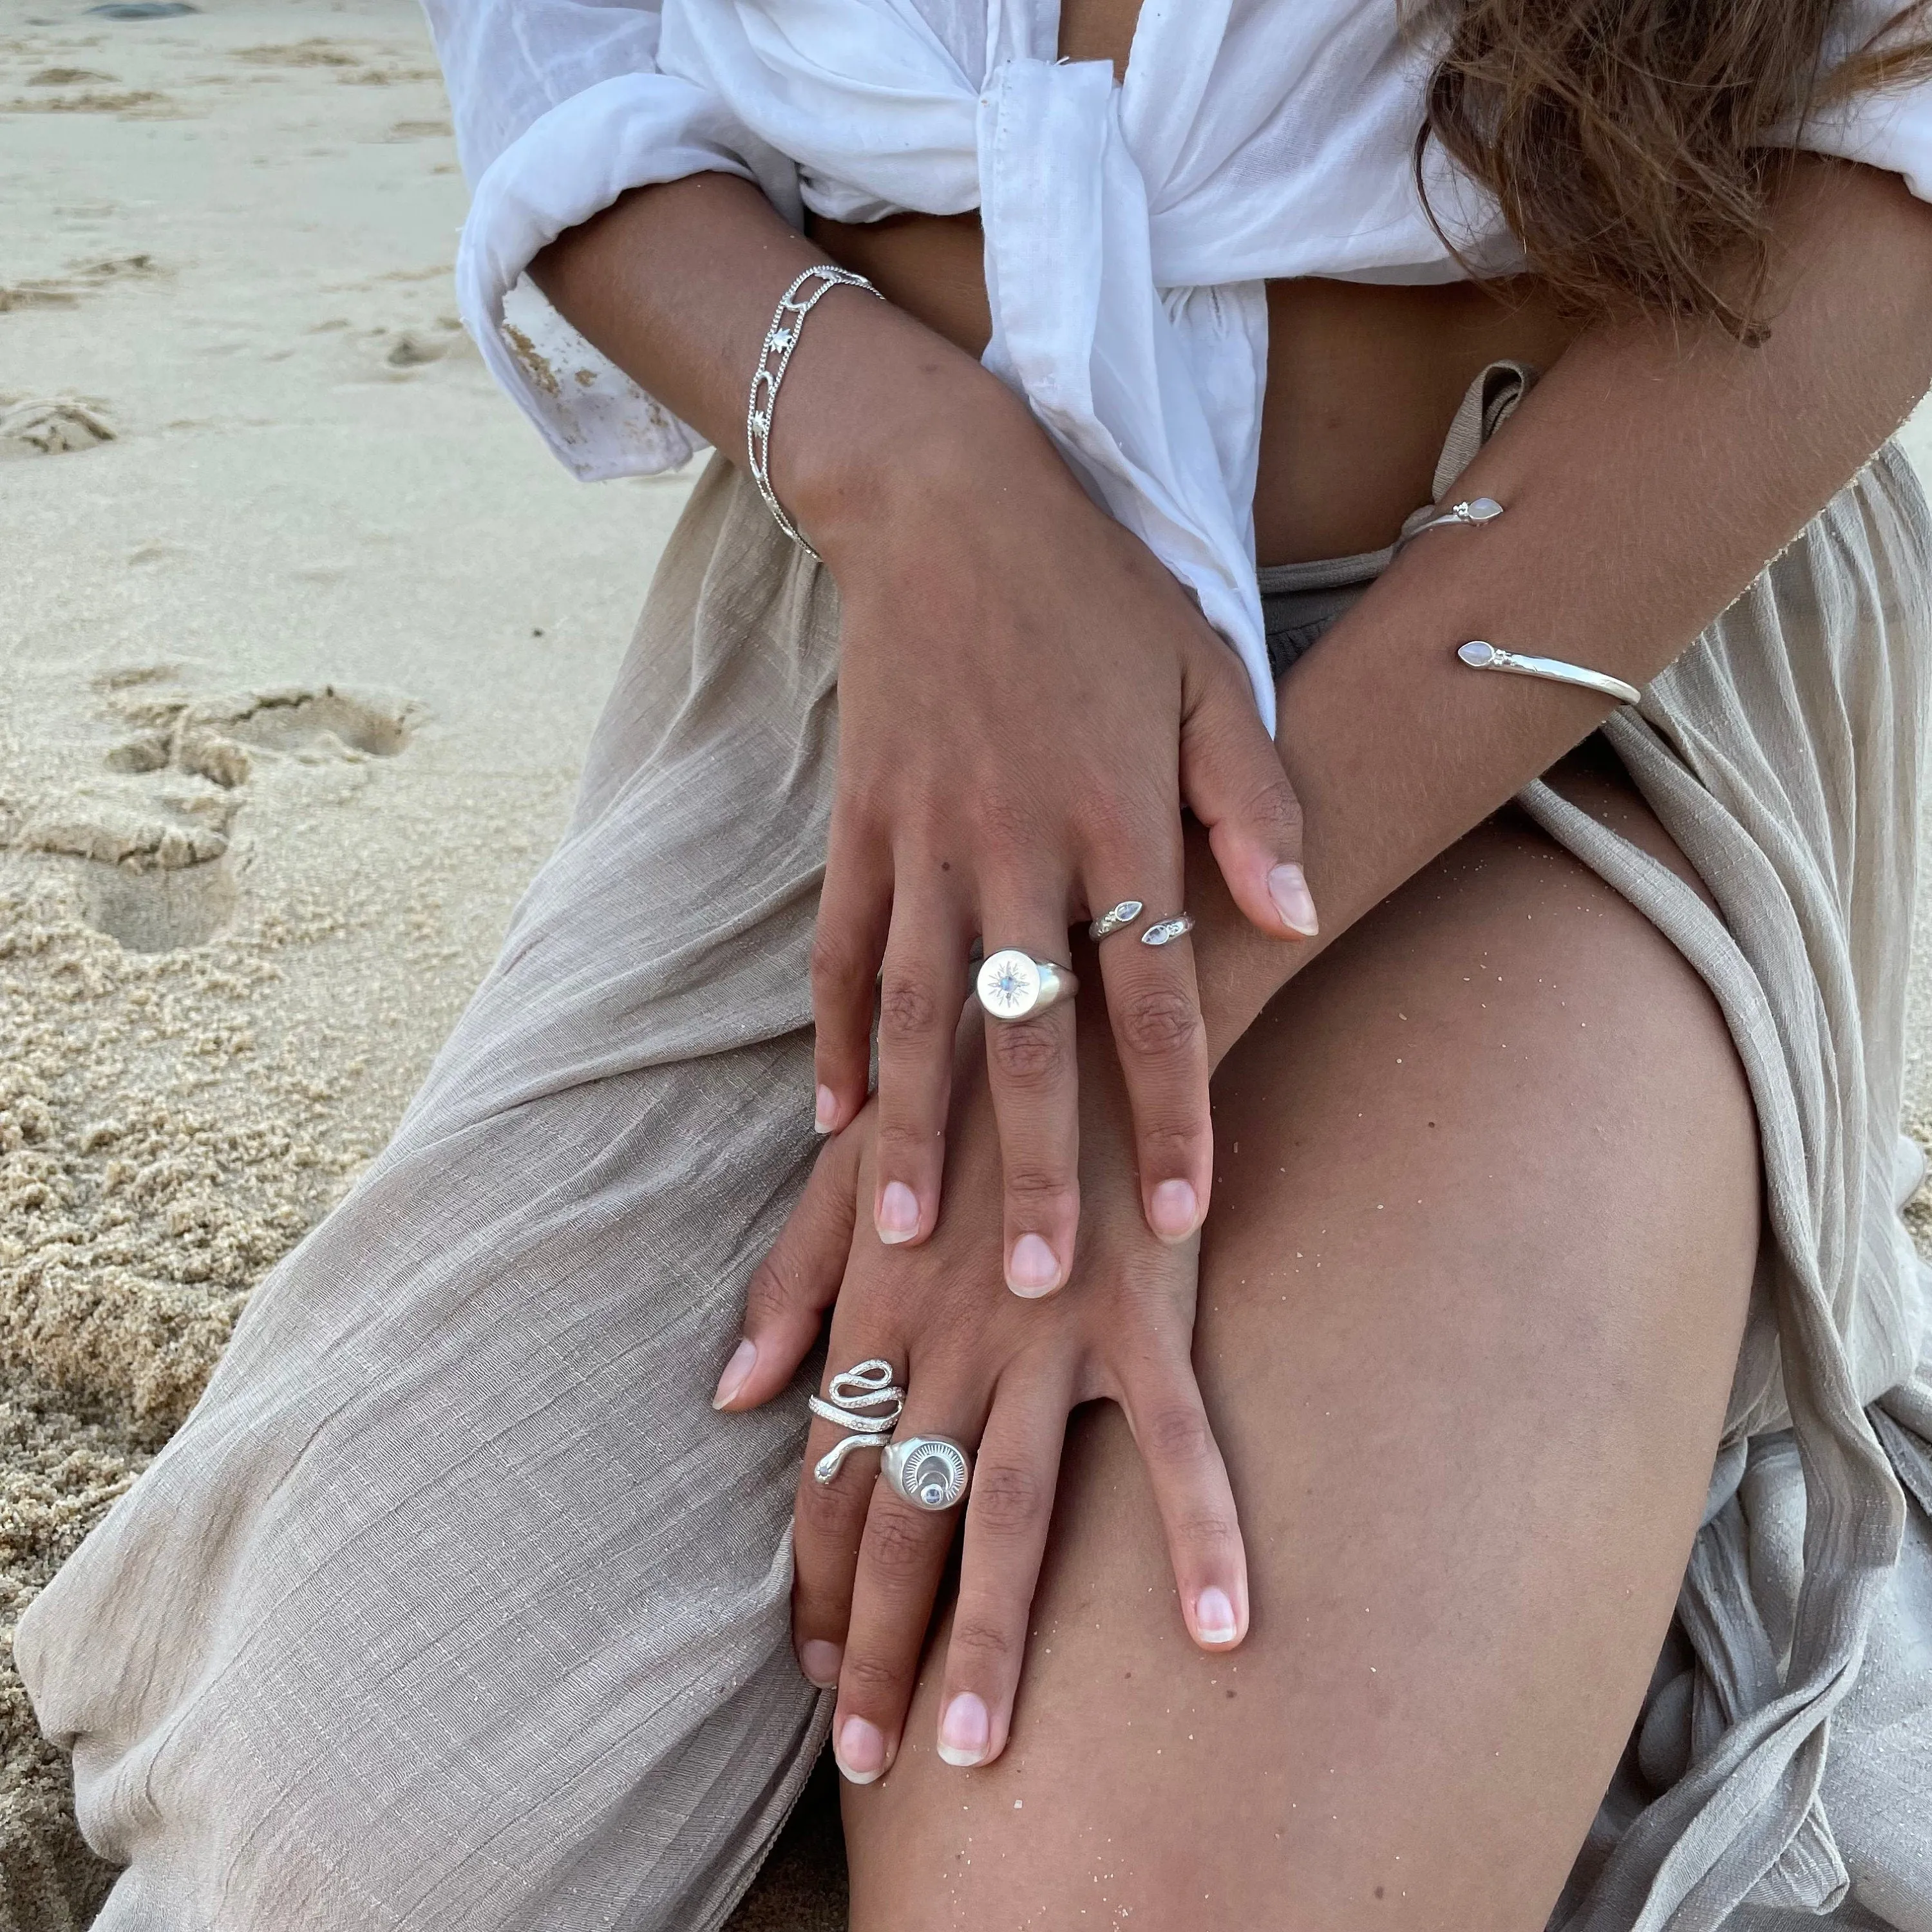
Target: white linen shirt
{"points": [[1129, 228]]}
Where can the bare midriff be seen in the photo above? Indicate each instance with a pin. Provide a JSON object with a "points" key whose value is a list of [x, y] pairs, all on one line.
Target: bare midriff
{"points": [[1364, 379]]}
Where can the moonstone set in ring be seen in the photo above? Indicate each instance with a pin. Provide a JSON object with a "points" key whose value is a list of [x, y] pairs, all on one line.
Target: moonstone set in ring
{"points": [[931, 1472], [1481, 655], [1015, 985], [1124, 914]]}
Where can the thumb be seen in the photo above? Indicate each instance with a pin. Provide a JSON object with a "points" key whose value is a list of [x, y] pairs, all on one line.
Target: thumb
{"points": [[790, 1289], [1232, 780]]}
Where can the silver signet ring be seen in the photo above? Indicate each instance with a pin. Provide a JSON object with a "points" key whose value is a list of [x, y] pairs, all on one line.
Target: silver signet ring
{"points": [[1015, 985], [929, 1472]]}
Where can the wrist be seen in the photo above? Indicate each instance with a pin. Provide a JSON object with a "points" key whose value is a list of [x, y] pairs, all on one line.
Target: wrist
{"points": [[881, 424]]}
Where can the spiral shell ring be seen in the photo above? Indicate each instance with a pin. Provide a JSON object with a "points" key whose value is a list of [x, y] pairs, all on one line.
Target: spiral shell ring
{"points": [[931, 1472]]}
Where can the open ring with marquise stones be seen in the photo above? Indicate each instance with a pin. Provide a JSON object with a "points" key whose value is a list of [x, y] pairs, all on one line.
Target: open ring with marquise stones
{"points": [[1115, 917]]}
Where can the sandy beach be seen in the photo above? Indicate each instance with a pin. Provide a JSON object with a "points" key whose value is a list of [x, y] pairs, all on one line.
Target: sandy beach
{"points": [[301, 635]]}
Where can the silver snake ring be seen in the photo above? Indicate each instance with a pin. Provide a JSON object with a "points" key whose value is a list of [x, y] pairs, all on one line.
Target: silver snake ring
{"points": [[867, 1403]]}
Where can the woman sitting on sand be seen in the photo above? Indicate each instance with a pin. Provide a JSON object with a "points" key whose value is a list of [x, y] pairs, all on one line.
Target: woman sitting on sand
{"points": [[1323, 1481]]}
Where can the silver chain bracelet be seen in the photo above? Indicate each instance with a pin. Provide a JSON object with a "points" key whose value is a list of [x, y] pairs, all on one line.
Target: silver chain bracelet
{"points": [[774, 358]]}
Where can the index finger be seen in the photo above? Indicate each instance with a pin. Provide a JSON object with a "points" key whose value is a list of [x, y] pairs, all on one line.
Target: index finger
{"points": [[1154, 1005], [1164, 1410]]}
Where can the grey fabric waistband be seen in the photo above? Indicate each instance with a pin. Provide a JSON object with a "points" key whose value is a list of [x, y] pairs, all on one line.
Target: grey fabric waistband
{"points": [[1299, 601]]}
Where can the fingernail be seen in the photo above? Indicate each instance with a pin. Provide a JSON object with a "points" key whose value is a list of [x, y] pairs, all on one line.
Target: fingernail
{"points": [[899, 1213], [1287, 887], [1032, 1269], [826, 1114], [860, 1751], [1214, 1616], [964, 1730], [1174, 1211], [820, 1661], [744, 1359]]}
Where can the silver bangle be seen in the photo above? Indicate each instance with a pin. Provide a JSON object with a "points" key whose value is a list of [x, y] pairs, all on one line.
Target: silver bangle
{"points": [[1479, 655], [1475, 510], [774, 358]]}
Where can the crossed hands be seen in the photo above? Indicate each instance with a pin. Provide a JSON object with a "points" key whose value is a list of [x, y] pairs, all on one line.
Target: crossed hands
{"points": [[1010, 1226], [998, 1374]]}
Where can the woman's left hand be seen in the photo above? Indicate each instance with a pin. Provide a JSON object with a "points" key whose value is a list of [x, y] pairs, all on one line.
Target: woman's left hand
{"points": [[998, 1375]]}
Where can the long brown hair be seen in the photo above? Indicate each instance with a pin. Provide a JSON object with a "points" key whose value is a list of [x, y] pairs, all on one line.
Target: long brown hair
{"points": [[1628, 140]]}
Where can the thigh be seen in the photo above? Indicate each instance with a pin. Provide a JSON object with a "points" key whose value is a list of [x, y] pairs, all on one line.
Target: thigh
{"points": [[1471, 1294]]}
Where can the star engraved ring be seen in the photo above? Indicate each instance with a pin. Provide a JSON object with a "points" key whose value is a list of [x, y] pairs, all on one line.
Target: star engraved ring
{"points": [[1125, 914], [929, 1472], [1015, 985], [865, 1401]]}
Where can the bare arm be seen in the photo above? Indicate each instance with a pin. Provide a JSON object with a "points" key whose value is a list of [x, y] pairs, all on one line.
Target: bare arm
{"points": [[1646, 484], [1647, 481], [676, 283]]}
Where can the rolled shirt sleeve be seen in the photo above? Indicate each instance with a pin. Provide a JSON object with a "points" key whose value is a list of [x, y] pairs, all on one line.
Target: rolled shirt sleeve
{"points": [[1886, 127], [561, 107]]}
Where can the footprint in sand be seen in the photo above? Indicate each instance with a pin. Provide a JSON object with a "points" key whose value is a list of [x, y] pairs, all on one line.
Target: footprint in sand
{"points": [[50, 425], [158, 874], [159, 869], [403, 351], [140, 104], [81, 278], [312, 52], [313, 725], [37, 294]]}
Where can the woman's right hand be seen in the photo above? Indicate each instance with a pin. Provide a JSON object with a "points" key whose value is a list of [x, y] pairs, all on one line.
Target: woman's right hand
{"points": [[1027, 699]]}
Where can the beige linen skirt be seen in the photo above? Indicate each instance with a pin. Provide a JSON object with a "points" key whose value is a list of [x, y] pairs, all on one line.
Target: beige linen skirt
{"points": [[454, 1605]]}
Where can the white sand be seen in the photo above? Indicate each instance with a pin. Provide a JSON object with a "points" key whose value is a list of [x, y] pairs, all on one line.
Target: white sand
{"points": [[295, 674], [301, 635]]}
